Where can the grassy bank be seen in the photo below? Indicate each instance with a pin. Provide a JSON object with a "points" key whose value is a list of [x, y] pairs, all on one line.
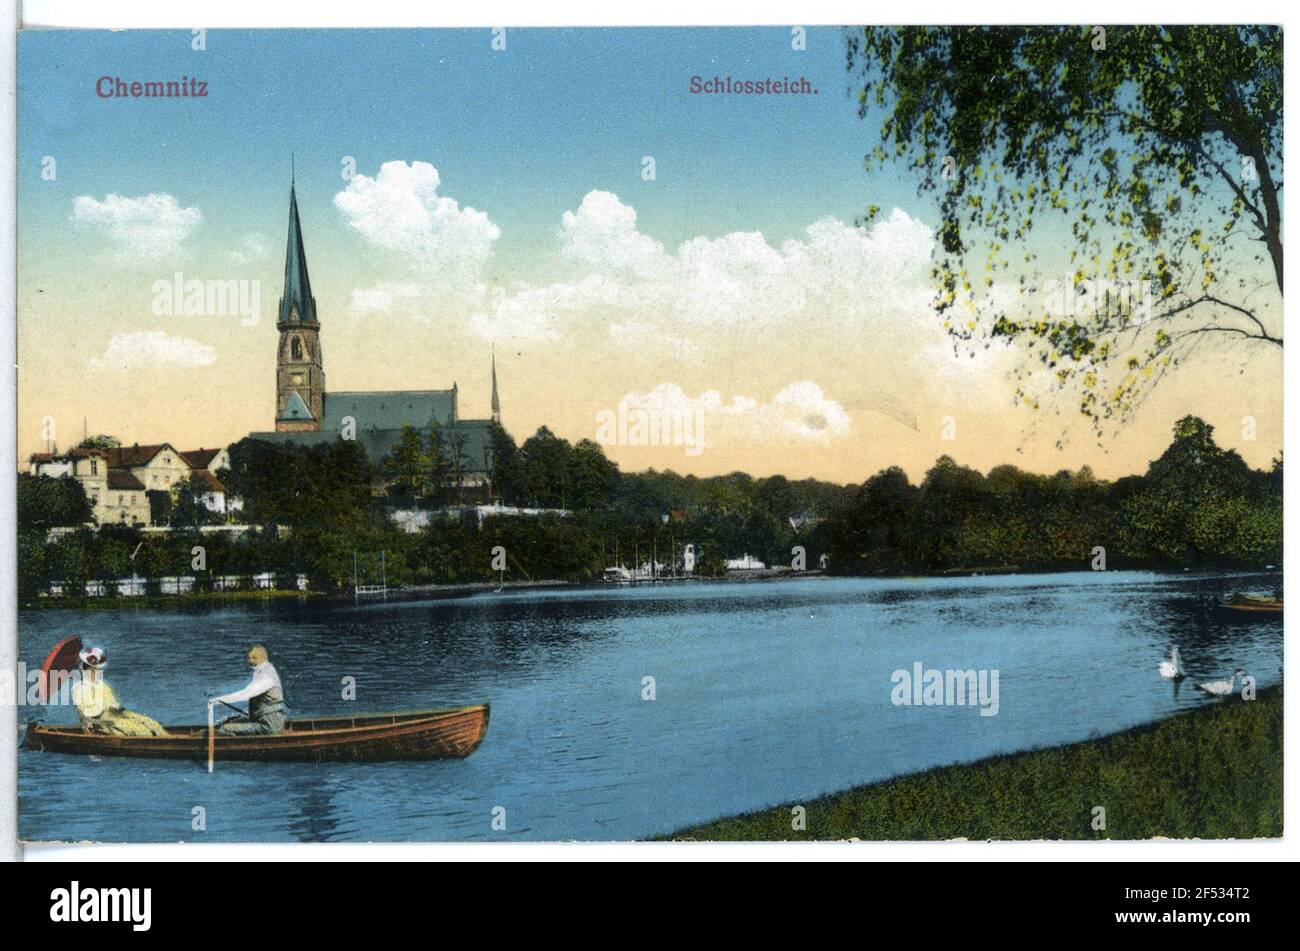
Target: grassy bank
{"points": [[1215, 772]]}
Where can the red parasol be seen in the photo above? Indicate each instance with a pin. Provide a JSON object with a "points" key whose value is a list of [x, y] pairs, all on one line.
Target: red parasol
{"points": [[62, 660]]}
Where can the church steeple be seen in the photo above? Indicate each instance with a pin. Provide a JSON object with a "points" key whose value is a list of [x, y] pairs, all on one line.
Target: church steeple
{"points": [[297, 305], [496, 401], [299, 372]]}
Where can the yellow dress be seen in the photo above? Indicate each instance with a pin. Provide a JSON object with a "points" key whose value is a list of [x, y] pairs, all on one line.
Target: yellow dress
{"points": [[100, 710]]}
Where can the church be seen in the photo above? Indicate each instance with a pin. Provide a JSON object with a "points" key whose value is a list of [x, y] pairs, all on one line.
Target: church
{"points": [[307, 414]]}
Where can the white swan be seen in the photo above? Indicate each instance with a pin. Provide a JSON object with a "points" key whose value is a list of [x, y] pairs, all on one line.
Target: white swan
{"points": [[1221, 688], [1172, 669]]}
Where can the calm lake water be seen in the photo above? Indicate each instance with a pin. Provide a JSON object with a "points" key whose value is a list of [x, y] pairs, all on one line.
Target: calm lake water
{"points": [[767, 692]]}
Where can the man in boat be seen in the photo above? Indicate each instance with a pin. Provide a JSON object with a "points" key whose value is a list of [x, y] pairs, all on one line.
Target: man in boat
{"points": [[98, 707], [265, 698]]}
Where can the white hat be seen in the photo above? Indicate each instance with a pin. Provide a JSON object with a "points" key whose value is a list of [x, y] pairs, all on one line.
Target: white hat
{"points": [[94, 657]]}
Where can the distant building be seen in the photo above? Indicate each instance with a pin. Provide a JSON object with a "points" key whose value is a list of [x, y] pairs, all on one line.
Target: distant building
{"points": [[307, 414], [118, 481]]}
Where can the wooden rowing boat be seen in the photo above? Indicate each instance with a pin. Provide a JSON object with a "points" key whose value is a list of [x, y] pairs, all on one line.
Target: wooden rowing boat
{"points": [[448, 733], [1248, 605]]}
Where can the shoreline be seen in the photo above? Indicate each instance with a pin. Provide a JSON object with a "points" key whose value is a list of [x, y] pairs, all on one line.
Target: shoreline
{"points": [[1211, 772], [467, 588]]}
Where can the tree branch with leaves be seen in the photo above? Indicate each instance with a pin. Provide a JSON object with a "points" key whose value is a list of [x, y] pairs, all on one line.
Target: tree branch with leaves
{"points": [[1109, 198]]}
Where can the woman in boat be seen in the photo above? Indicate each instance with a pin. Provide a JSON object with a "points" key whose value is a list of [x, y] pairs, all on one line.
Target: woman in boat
{"points": [[98, 706]]}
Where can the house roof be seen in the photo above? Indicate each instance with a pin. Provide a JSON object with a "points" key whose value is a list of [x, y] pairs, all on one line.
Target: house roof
{"points": [[200, 458], [123, 481], [392, 410], [80, 452], [209, 481], [128, 457]]}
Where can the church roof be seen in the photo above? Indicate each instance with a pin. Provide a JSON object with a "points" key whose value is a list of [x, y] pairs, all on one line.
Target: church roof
{"points": [[295, 408], [297, 297], [474, 436], [391, 410]]}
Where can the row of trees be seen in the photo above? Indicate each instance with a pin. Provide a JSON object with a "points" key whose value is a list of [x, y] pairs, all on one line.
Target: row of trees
{"points": [[317, 511], [546, 471], [1197, 504]]}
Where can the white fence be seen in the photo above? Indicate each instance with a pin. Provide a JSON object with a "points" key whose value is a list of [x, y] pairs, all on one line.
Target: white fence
{"points": [[136, 586]]}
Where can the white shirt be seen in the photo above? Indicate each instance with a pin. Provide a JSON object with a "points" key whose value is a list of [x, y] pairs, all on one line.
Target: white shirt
{"points": [[264, 678]]}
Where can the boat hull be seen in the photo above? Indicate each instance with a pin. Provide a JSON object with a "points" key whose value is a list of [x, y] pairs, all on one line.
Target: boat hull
{"points": [[1258, 607], [449, 733]]}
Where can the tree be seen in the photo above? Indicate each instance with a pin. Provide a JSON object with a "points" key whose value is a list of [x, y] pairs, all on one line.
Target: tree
{"points": [[99, 442], [593, 477], [457, 460], [327, 484], [1157, 149], [33, 563], [437, 466], [547, 469], [189, 509], [949, 495], [406, 466], [45, 502], [504, 465], [1178, 514], [776, 495], [160, 506]]}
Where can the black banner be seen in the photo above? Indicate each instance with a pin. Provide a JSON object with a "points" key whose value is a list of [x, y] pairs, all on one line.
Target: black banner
{"points": [[334, 899]]}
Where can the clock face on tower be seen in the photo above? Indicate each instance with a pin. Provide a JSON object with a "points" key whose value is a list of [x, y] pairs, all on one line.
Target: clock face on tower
{"points": [[297, 379]]}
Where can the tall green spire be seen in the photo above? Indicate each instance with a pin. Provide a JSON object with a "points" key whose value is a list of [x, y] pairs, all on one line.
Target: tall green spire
{"points": [[297, 305]]}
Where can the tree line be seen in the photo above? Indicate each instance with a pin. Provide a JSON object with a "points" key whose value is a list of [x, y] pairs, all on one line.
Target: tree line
{"points": [[322, 510]]}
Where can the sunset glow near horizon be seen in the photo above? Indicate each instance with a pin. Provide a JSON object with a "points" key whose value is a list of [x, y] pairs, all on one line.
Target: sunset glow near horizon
{"points": [[459, 200]]}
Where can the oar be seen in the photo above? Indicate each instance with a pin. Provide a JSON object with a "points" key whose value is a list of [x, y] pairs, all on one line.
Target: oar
{"points": [[212, 731]]}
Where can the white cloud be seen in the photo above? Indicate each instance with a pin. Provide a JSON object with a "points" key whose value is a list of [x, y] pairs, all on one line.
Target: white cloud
{"points": [[635, 333], [145, 230], [253, 246], [382, 296], [602, 235], [542, 313], [400, 210], [835, 272], [804, 411], [800, 412], [152, 348]]}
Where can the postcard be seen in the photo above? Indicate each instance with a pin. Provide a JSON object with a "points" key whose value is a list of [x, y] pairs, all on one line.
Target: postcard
{"points": [[619, 434]]}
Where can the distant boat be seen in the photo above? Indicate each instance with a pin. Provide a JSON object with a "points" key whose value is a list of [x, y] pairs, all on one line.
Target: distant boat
{"points": [[618, 575], [1248, 604]]}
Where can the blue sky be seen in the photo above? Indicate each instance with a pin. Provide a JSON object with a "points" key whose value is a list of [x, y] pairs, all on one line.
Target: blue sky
{"points": [[523, 133], [735, 283]]}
